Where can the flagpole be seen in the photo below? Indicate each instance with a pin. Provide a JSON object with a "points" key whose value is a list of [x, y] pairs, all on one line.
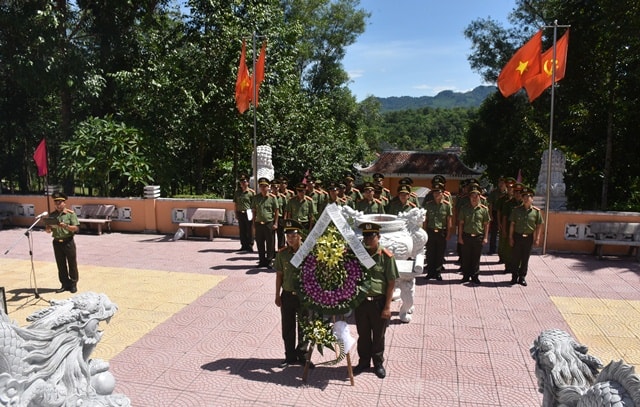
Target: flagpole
{"points": [[253, 98], [550, 151]]}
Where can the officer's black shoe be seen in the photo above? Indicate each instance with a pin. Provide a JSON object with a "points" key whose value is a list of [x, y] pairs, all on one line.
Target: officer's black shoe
{"points": [[61, 289], [73, 288], [522, 281], [380, 372], [439, 277], [359, 369], [475, 280], [287, 363], [514, 280]]}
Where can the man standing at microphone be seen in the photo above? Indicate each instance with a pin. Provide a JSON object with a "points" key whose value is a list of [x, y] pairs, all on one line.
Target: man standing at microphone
{"points": [[64, 247]]}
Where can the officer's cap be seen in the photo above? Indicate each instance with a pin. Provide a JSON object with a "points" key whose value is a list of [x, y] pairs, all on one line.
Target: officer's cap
{"points": [[332, 186], [528, 191], [406, 181], [292, 226], [369, 228], [475, 189], [301, 186], [438, 179], [59, 196], [404, 189], [510, 181], [284, 180], [518, 186], [275, 181], [263, 181], [368, 186], [243, 177], [437, 187], [378, 176], [349, 177]]}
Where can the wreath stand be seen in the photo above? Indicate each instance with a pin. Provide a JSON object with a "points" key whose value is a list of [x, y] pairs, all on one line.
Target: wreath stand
{"points": [[307, 363]]}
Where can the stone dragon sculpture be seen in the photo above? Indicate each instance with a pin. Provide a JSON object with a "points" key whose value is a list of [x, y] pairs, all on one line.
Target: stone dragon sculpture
{"points": [[48, 364], [569, 377]]}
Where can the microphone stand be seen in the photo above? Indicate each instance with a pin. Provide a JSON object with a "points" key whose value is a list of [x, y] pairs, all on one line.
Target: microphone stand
{"points": [[29, 236]]}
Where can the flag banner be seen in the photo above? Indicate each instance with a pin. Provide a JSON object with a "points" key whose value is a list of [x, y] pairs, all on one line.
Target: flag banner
{"points": [[537, 84], [259, 73], [40, 157], [243, 84], [524, 64]]}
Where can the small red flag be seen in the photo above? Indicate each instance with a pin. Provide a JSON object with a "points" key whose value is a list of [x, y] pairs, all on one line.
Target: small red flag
{"points": [[537, 84], [40, 157], [259, 74], [243, 84], [524, 64]]}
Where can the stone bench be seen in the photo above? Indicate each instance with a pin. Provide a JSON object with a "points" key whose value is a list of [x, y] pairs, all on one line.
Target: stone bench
{"points": [[197, 218], [616, 234], [96, 214]]}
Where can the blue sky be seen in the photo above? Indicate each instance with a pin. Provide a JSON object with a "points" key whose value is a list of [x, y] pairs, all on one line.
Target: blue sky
{"points": [[417, 47]]}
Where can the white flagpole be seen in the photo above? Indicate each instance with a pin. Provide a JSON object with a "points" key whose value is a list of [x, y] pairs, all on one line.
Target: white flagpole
{"points": [[253, 97], [553, 88]]}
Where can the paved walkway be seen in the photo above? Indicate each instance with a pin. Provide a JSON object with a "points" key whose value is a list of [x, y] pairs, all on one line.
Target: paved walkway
{"points": [[197, 325]]}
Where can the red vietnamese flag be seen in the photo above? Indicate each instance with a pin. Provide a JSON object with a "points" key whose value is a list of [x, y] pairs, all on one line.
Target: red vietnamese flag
{"points": [[537, 84], [524, 64], [40, 157], [259, 73], [243, 84]]}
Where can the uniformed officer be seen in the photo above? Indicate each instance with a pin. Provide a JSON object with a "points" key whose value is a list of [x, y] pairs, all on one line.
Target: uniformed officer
{"points": [[402, 203], [413, 197], [351, 192], [242, 200], [282, 201], [64, 247], [332, 190], [526, 225], [385, 193], [513, 202], [301, 209], [369, 204], [473, 222], [492, 200], [378, 193], [287, 298], [374, 312], [265, 221], [438, 224], [503, 233], [284, 188]]}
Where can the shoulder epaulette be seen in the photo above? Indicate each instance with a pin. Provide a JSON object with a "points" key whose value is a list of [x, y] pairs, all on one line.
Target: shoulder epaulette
{"points": [[67, 210], [413, 194], [308, 198], [251, 190], [376, 200], [387, 252], [446, 202], [386, 189], [283, 248], [483, 206], [271, 195], [412, 204], [355, 189], [536, 208]]}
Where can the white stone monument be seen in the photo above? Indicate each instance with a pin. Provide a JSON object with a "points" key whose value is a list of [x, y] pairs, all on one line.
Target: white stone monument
{"points": [[557, 198]]}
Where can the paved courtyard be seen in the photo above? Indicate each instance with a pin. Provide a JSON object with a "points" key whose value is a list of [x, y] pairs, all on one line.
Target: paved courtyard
{"points": [[197, 324]]}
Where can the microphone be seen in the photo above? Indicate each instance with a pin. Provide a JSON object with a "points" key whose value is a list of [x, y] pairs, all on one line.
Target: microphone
{"points": [[45, 213]]}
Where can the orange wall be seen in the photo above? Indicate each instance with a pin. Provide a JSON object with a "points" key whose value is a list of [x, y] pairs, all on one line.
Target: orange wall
{"points": [[155, 216]]}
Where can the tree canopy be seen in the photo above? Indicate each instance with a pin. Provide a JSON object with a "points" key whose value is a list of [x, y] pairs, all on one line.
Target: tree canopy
{"points": [[595, 121]]}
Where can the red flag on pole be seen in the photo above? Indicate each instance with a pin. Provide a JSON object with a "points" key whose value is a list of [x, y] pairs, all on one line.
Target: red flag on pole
{"points": [[524, 64], [40, 157], [537, 84], [259, 73], [243, 84]]}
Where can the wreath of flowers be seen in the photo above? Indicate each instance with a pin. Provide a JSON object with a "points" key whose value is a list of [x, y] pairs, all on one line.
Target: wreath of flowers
{"points": [[331, 278]]}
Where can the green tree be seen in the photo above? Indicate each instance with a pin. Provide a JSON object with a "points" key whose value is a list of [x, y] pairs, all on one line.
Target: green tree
{"points": [[109, 155]]}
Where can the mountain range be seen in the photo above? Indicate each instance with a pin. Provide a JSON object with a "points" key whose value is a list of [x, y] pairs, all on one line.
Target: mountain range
{"points": [[446, 99]]}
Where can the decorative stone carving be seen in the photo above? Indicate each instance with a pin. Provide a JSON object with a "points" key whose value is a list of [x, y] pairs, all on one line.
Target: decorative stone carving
{"points": [[568, 376], [47, 363], [404, 236], [558, 188], [265, 166]]}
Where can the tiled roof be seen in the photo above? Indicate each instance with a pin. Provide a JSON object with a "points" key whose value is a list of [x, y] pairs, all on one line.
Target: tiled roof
{"points": [[420, 162]]}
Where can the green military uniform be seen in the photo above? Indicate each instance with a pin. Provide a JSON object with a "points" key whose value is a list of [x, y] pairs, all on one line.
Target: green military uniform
{"points": [[243, 200], [369, 322], [524, 220], [301, 210], [64, 246], [265, 215], [438, 216], [474, 219], [290, 306]]}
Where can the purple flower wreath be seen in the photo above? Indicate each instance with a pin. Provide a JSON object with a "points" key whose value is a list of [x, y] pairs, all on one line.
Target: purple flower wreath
{"points": [[332, 288]]}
